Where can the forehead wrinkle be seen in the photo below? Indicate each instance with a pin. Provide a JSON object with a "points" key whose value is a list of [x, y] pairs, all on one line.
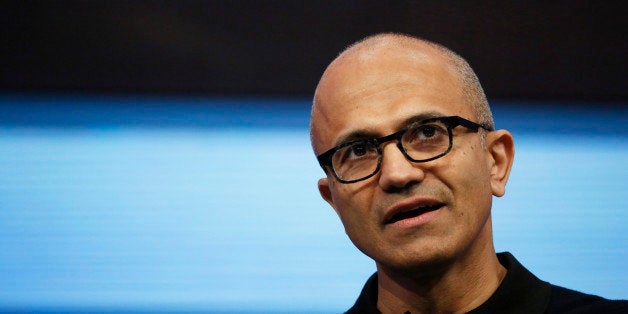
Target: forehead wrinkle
{"points": [[402, 73]]}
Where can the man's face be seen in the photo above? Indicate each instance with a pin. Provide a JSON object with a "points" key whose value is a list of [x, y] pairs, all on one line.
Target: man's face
{"points": [[409, 214]]}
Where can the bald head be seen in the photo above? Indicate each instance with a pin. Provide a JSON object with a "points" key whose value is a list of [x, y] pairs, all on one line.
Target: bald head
{"points": [[364, 63]]}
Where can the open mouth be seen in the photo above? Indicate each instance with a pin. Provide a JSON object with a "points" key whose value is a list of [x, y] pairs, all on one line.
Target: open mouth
{"points": [[413, 213]]}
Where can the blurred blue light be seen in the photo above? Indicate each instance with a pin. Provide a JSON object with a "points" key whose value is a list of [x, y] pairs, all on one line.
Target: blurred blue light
{"points": [[211, 204]]}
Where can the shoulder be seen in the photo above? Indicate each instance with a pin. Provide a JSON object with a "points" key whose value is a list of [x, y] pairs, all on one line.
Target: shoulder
{"points": [[563, 300], [367, 301]]}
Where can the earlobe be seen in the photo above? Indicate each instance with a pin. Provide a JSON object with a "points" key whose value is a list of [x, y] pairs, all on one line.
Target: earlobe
{"points": [[502, 153]]}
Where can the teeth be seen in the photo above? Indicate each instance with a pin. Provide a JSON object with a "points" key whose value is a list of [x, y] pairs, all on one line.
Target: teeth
{"points": [[425, 207], [417, 208]]}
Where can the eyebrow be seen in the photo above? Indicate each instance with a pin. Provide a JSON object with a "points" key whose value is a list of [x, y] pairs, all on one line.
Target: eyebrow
{"points": [[420, 117], [367, 134]]}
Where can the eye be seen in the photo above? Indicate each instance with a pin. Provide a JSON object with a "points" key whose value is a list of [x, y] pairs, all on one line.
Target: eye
{"points": [[426, 132], [357, 151]]}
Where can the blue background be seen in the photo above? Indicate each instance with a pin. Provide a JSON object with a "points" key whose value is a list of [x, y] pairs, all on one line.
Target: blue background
{"points": [[117, 203]]}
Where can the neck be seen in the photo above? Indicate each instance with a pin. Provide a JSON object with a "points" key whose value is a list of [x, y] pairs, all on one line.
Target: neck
{"points": [[455, 287]]}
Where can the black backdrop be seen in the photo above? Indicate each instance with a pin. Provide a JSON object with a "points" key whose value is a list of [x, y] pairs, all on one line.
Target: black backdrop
{"points": [[559, 50]]}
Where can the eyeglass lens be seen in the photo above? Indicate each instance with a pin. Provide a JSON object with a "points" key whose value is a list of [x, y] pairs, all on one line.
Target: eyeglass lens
{"points": [[420, 142]]}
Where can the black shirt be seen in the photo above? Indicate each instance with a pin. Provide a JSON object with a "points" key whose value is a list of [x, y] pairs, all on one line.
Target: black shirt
{"points": [[519, 292]]}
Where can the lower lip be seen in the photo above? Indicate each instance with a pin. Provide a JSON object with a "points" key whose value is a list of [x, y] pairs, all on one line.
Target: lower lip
{"points": [[415, 221]]}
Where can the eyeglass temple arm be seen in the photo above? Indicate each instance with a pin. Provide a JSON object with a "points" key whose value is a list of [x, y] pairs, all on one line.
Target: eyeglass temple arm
{"points": [[468, 124]]}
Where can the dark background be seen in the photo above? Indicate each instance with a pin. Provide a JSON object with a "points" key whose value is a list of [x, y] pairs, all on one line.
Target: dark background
{"points": [[545, 50], [155, 157]]}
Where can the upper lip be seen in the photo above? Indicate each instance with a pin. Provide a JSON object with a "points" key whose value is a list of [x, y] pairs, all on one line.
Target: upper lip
{"points": [[408, 205]]}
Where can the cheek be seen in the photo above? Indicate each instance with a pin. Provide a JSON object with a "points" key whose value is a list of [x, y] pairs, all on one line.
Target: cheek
{"points": [[468, 176], [354, 197], [353, 204]]}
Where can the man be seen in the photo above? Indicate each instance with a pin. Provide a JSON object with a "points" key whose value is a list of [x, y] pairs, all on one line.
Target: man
{"points": [[405, 135]]}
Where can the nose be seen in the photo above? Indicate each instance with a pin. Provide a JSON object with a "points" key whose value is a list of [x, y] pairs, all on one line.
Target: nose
{"points": [[397, 172]]}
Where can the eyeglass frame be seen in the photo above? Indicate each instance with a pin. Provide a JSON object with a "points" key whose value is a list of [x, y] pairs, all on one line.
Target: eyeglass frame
{"points": [[451, 122]]}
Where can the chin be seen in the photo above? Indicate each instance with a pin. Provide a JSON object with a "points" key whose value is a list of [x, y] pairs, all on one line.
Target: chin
{"points": [[424, 261]]}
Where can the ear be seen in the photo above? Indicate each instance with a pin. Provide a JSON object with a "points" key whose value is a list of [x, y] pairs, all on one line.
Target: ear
{"points": [[501, 149], [325, 190]]}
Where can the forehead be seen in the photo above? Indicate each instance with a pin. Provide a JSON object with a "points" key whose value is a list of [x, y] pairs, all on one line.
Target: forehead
{"points": [[376, 94]]}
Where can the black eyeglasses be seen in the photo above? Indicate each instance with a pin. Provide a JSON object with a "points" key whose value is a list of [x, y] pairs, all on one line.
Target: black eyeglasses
{"points": [[420, 142]]}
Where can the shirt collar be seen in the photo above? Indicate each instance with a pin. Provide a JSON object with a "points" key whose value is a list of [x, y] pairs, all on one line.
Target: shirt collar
{"points": [[519, 292]]}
